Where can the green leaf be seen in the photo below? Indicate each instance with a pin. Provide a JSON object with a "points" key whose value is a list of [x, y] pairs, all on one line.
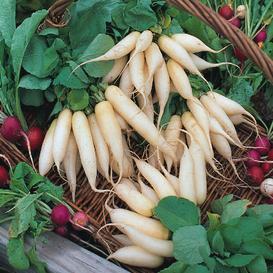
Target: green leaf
{"points": [[257, 247], [218, 244], [32, 97], [22, 37], [225, 269], [58, 107], [36, 262], [69, 80], [241, 91], [78, 99], [187, 243], [263, 213], [16, 254], [232, 237], [101, 44], [214, 221], [79, 72], [196, 269], [7, 20], [24, 214], [6, 198], [40, 60], [48, 189], [49, 31], [176, 212], [239, 260], [32, 82], [258, 265], [218, 205], [118, 17], [234, 210], [176, 267], [139, 15]]}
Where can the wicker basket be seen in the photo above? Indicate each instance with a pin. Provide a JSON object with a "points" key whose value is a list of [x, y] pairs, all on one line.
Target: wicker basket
{"points": [[93, 203]]}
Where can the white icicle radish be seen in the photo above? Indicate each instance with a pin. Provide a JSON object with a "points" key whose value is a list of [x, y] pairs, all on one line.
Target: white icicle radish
{"points": [[180, 79], [70, 163], [61, 136], [147, 191], [46, 160], [101, 148], [123, 239], [83, 137], [136, 256], [125, 83], [116, 70]]}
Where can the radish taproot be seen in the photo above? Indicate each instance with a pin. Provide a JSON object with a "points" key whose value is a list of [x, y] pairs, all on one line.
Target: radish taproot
{"points": [[116, 70]]}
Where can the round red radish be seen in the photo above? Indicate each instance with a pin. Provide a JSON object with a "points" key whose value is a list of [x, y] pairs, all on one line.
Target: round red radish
{"points": [[61, 230], [4, 177], [253, 158], [263, 145], [266, 187], [60, 215], [261, 36], [226, 12], [35, 137], [270, 155], [239, 55], [81, 219], [267, 167], [256, 174], [236, 22], [11, 129]]}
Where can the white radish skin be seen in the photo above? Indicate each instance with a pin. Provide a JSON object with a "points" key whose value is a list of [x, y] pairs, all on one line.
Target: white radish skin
{"points": [[125, 83], [46, 160], [174, 181], [201, 116], [216, 128], [153, 245], [137, 68], [147, 106], [154, 59], [158, 182], [123, 239], [186, 176], [175, 51], [143, 42], [101, 148], [203, 65], [238, 119], [122, 123], [116, 70], [180, 147], [162, 88], [134, 199], [61, 136], [153, 159], [147, 191], [180, 79], [191, 43], [136, 256], [222, 146], [171, 134], [230, 107], [219, 114], [70, 162], [121, 49], [149, 226], [82, 133], [200, 174], [129, 183], [148, 82], [137, 119], [197, 133], [110, 130]]}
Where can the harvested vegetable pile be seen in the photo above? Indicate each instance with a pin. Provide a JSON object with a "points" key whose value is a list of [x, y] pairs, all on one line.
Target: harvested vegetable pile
{"points": [[147, 99]]}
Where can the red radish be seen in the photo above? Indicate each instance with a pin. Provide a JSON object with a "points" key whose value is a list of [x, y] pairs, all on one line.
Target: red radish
{"points": [[270, 155], [4, 177], [266, 187], [256, 174], [236, 22], [239, 55], [11, 129], [61, 230], [226, 12], [81, 219], [60, 215], [266, 166], [269, 201], [253, 156], [263, 145], [35, 137], [261, 36]]}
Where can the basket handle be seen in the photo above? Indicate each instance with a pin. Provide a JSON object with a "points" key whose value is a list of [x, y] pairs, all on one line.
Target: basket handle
{"points": [[232, 33]]}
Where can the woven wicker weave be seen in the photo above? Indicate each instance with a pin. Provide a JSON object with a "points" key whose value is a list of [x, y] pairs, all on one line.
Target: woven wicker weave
{"points": [[93, 203]]}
